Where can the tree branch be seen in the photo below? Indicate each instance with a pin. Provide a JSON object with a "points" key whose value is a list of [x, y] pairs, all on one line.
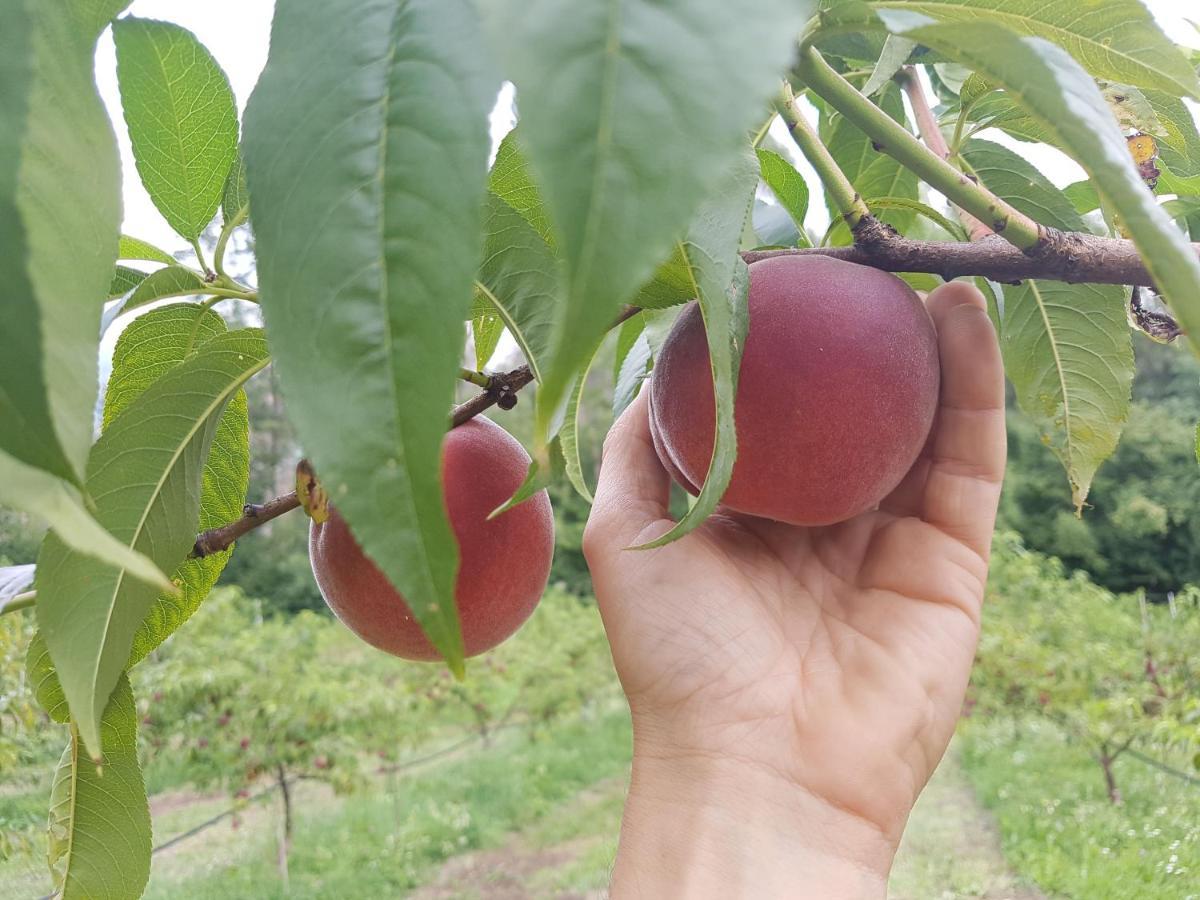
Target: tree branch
{"points": [[1062, 256], [897, 142], [253, 515], [501, 392]]}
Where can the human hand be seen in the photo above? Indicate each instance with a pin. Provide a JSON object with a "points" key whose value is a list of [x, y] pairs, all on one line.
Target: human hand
{"points": [[793, 689]]}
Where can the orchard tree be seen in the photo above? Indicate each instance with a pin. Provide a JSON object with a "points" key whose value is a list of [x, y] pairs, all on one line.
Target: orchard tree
{"points": [[1136, 687], [627, 189]]}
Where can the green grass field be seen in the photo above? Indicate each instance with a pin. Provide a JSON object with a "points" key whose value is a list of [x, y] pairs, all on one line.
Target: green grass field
{"points": [[1059, 829], [538, 817]]}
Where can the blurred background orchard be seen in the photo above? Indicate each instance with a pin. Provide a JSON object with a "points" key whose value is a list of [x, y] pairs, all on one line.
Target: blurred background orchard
{"points": [[284, 757]]}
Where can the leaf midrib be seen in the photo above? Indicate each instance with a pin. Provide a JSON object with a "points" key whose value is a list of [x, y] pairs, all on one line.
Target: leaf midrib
{"points": [[1035, 290], [511, 323], [384, 294], [604, 128], [73, 794], [177, 131], [217, 401]]}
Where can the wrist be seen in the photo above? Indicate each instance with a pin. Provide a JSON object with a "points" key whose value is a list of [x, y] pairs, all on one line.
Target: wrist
{"points": [[698, 825]]}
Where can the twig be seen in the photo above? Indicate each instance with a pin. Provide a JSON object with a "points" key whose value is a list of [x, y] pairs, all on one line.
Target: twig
{"points": [[897, 142], [1072, 257], [20, 601], [502, 392], [931, 133], [847, 200], [253, 515], [477, 378]]}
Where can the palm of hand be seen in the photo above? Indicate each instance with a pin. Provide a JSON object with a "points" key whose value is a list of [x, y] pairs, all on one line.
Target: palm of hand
{"points": [[835, 658]]}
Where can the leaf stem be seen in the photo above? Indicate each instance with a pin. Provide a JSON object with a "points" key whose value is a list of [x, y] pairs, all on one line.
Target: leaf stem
{"points": [[199, 251], [20, 601], [223, 241], [837, 185], [895, 140]]}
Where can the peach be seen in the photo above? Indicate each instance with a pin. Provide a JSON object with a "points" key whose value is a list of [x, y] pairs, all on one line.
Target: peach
{"points": [[836, 394], [504, 563]]}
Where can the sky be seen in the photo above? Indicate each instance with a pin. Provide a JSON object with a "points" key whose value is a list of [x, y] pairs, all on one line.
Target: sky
{"points": [[237, 33]]}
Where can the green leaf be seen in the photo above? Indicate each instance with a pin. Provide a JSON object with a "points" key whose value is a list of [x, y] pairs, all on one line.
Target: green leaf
{"points": [[519, 278], [975, 88], [1131, 108], [144, 475], [788, 186], [134, 248], [387, 148], [1113, 39], [568, 435], [43, 680], [62, 507], [181, 116], [173, 281], [896, 51], [486, 328], [60, 213], [631, 363], [1179, 145], [99, 827], [94, 15], [992, 294], [511, 181], [536, 479], [670, 286], [1001, 110], [1066, 347], [872, 172], [722, 284], [235, 196], [1011, 177], [1067, 352], [124, 280], [148, 348], [672, 86], [1051, 85], [1082, 196]]}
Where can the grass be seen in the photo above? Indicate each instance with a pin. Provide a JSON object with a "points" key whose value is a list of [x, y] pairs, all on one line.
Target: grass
{"points": [[542, 817], [390, 839], [950, 848], [1059, 829]]}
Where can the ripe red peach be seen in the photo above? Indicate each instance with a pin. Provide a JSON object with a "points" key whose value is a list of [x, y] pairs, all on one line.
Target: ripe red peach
{"points": [[836, 393], [504, 563]]}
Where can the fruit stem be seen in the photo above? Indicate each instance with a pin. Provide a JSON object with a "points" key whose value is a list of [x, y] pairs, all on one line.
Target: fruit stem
{"points": [[223, 241], [897, 142], [841, 192]]}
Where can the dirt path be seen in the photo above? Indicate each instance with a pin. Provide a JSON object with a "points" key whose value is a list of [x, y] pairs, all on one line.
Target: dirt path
{"points": [[950, 852]]}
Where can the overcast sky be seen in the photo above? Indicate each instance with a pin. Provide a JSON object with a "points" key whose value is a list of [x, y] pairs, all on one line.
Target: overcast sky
{"points": [[237, 33]]}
